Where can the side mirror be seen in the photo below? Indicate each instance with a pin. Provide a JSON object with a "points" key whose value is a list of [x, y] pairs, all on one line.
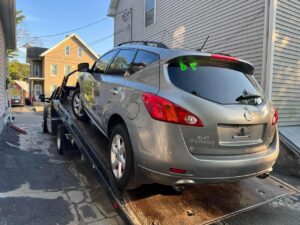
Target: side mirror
{"points": [[83, 67]]}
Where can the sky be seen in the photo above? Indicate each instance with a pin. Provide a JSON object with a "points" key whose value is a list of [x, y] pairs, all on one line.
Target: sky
{"points": [[46, 17]]}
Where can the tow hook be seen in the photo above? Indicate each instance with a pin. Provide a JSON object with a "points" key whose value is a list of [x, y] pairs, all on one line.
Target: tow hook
{"points": [[263, 176]]}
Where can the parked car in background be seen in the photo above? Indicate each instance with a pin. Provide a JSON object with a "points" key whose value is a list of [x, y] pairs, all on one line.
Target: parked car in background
{"points": [[17, 101], [178, 117], [18, 92]]}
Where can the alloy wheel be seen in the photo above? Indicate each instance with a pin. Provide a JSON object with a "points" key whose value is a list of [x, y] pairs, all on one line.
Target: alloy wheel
{"points": [[77, 104], [118, 156]]}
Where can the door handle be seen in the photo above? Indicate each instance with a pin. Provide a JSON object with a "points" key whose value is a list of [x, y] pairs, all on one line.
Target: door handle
{"points": [[115, 91]]}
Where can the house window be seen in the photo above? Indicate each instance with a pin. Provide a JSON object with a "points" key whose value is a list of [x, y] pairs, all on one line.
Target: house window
{"points": [[53, 69], [67, 50], [149, 12], [36, 70], [67, 70], [80, 52]]}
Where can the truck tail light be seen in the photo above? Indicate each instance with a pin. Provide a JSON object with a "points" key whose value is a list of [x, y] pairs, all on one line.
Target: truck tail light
{"points": [[164, 110]]}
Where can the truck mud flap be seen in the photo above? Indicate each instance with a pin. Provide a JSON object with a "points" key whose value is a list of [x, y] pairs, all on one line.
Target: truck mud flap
{"points": [[201, 204]]}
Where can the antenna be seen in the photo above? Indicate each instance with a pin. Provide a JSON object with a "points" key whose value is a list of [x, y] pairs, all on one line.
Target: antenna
{"points": [[204, 43]]}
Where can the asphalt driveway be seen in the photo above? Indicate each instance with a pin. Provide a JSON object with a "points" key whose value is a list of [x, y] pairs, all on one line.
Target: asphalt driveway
{"points": [[38, 186]]}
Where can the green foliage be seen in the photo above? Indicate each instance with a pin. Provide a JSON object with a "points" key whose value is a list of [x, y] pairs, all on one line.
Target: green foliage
{"points": [[18, 71], [19, 17]]}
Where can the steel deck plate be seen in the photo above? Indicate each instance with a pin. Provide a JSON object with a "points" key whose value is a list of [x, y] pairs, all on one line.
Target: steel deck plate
{"points": [[201, 204]]}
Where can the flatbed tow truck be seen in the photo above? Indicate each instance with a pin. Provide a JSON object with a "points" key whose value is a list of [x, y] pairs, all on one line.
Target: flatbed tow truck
{"points": [[154, 204]]}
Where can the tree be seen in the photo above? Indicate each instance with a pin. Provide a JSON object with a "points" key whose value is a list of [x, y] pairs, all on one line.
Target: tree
{"points": [[18, 71], [19, 19], [23, 36]]}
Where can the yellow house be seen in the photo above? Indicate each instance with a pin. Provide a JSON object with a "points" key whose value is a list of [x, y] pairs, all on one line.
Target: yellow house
{"points": [[49, 66]]}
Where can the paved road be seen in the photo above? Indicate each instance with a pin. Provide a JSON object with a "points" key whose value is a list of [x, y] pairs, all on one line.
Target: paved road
{"points": [[38, 186]]}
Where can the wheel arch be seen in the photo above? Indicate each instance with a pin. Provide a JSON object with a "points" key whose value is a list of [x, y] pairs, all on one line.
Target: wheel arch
{"points": [[77, 85], [113, 121]]}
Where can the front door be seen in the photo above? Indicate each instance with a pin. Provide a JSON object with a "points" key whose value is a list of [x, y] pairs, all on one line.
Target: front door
{"points": [[37, 91], [92, 86], [113, 83]]}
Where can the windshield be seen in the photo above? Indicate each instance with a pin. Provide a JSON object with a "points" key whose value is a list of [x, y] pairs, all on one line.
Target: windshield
{"points": [[217, 84]]}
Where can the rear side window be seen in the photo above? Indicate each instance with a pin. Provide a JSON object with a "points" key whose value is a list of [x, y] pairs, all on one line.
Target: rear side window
{"points": [[103, 62], [143, 59], [218, 84], [121, 62]]}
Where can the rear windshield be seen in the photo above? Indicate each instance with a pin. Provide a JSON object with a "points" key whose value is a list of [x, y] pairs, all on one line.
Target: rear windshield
{"points": [[218, 84]]}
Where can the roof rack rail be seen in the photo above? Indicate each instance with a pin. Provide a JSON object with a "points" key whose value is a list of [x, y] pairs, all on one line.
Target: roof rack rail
{"points": [[148, 43]]}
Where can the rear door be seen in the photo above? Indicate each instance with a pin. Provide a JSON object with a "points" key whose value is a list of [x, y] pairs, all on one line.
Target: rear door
{"points": [[237, 118]]}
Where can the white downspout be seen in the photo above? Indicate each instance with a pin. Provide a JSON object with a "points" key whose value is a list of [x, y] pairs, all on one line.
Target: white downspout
{"points": [[269, 42]]}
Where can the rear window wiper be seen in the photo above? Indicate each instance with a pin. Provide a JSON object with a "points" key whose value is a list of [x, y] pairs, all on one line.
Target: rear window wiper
{"points": [[246, 97]]}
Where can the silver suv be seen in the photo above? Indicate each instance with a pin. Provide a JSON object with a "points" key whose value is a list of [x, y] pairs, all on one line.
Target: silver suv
{"points": [[178, 117]]}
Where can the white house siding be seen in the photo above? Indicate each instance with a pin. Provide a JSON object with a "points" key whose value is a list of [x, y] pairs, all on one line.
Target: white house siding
{"points": [[2, 77], [286, 78], [235, 27]]}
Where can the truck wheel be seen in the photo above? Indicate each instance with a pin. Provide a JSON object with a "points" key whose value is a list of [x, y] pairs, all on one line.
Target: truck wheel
{"points": [[61, 140], [45, 117], [121, 157], [77, 106]]}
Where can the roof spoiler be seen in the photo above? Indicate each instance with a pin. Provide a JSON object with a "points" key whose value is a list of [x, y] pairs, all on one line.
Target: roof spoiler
{"points": [[219, 60]]}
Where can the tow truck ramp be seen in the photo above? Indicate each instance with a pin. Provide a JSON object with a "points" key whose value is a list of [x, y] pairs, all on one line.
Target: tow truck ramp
{"points": [[159, 205]]}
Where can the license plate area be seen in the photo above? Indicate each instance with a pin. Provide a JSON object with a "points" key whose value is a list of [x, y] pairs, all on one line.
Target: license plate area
{"points": [[232, 135]]}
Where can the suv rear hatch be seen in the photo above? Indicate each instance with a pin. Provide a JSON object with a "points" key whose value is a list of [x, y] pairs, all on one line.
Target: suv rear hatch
{"points": [[221, 91]]}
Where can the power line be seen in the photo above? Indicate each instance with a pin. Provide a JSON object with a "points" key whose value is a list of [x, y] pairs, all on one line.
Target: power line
{"points": [[73, 30], [78, 28]]}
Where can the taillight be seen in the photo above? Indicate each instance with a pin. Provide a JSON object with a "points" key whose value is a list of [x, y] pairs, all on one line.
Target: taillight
{"points": [[275, 117], [224, 57], [165, 110]]}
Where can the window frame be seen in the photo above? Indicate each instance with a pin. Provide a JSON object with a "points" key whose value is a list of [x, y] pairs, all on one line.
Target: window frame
{"points": [[148, 52], [79, 51], [52, 74], [154, 14], [119, 75], [36, 68], [108, 64], [65, 69], [67, 47]]}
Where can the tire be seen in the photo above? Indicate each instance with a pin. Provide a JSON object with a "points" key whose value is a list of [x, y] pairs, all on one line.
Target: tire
{"points": [[45, 117], [61, 140], [77, 106], [123, 177]]}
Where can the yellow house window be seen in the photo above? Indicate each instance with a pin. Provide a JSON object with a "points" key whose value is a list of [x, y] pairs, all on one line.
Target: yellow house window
{"points": [[67, 69], [53, 69], [67, 50], [80, 52]]}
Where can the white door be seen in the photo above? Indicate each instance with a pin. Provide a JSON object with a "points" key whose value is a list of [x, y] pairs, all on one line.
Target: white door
{"points": [[37, 91]]}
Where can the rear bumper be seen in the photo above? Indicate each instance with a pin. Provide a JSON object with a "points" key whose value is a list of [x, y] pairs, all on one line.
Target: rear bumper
{"points": [[168, 179], [154, 159], [19, 103]]}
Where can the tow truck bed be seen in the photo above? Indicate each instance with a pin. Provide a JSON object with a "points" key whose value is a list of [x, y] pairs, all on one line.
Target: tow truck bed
{"points": [[157, 204]]}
